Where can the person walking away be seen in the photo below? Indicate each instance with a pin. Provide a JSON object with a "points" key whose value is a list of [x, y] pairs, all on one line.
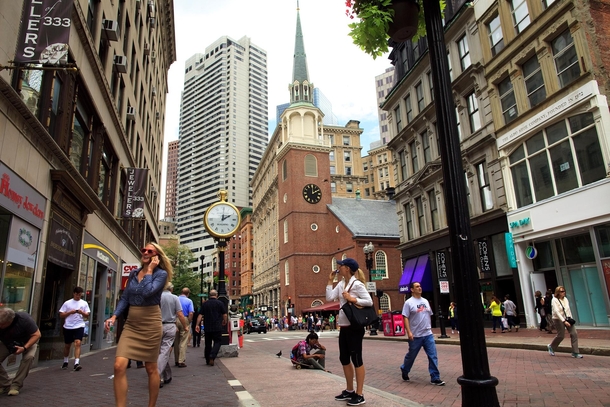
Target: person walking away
{"points": [[214, 315], [19, 335], [561, 314], [548, 309], [196, 334], [496, 314], [182, 335], [142, 333], [418, 323], [331, 322], [539, 306], [74, 312], [311, 352], [453, 319], [510, 313], [171, 309], [351, 289]]}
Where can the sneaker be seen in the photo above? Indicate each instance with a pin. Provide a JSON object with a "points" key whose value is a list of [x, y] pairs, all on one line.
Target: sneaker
{"points": [[345, 395], [77, 367], [13, 392], [551, 352], [64, 366], [517, 329], [405, 376], [437, 382], [4, 390], [577, 355], [356, 400]]}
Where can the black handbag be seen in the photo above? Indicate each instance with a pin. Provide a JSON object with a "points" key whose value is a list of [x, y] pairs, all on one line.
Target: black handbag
{"points": [[570, 320], [359, 316]]}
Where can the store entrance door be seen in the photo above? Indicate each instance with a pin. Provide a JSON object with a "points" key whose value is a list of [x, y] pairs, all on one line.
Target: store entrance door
{"points": [[589, 306], [99, 307]]}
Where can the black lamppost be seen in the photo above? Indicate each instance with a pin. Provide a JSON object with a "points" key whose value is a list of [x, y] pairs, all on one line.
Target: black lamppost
{"points": [[201, 275], [478, 386], [368, 252]]}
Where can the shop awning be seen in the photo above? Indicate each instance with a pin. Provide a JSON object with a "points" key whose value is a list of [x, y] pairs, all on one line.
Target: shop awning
{"points": [[417, 269], [329, 306]]}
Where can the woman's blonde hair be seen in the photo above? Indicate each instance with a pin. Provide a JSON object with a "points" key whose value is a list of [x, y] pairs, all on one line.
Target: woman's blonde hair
{"points": [[164, 261], [559, 288], [359, 275]]}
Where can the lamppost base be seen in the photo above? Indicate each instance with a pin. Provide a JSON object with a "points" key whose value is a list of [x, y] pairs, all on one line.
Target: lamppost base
{"points": [[373, 332], [444, 337]]}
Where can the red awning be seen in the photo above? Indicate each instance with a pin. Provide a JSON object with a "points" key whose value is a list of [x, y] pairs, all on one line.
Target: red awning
{"points": [[329, 306]]}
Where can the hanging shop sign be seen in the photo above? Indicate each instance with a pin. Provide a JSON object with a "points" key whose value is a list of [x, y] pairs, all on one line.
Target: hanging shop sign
{"points": [[135, 192]]}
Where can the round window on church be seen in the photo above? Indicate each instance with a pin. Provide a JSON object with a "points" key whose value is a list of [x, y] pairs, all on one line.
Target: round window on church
{"points": [[316, 269], [314, 227]]}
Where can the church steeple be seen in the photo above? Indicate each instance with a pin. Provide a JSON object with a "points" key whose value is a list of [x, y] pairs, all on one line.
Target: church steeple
{"points": [[301, 90]]}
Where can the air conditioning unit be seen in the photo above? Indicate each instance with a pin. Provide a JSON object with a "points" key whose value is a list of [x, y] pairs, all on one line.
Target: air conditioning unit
{"points": [[138, 4], [111, 29], [154, 91], [153, 189], [120, 63], [131, 113], [153, 56], [146, 48], [151, 8], [158, 115], [153, 22]]}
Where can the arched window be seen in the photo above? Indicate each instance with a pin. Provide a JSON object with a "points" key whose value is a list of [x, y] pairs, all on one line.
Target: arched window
{"points": [[385, 303], [284, 170], [285, 230], [381, 263], [286, 273], [311, 166]]}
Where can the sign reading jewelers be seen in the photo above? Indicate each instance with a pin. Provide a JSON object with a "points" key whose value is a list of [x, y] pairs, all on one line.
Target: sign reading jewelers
{"points": [[45, 32], [135, 190]]}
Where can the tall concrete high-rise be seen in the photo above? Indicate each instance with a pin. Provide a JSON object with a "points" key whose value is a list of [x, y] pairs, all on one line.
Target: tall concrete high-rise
{"points": [[223, 134], [171, 180]]}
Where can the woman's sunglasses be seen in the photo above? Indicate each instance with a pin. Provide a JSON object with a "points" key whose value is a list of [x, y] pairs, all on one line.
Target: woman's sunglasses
{"points": [[148, 251]]}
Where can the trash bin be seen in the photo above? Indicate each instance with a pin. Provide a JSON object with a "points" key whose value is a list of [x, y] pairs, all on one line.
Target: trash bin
{"points": [[398, 323], [387, 322]]}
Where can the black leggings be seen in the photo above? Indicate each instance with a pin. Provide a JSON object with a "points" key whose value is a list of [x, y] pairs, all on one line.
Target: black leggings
{"points": [[350, 345]]}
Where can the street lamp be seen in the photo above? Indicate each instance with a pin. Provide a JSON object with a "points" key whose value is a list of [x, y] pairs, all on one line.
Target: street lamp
{"points": [[368, 253], [478, 386], [201, 275]]}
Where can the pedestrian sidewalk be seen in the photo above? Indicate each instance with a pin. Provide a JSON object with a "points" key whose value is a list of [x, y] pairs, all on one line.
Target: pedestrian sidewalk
{"points": [[591, 341]]}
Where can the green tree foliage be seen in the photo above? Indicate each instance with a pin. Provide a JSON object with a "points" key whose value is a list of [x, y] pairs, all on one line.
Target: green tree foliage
{"points": [[184, 276]]}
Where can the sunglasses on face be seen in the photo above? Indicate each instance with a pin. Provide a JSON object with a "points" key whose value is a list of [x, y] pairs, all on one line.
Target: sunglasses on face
{"points": [[148, 251], [562, 291]]}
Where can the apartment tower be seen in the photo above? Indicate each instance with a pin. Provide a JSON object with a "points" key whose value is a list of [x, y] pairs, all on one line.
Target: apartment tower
{"points": [[223, 134], [171, 180]]}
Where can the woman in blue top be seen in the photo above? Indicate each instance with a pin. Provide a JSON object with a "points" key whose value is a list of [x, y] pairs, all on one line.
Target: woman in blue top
{"points": [[141, 336]]}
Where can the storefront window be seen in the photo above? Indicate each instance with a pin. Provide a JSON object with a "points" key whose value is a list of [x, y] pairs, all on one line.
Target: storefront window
{"points": [[603, 240], [500, 257], [544, 260], [575, 250], [17, 287]]}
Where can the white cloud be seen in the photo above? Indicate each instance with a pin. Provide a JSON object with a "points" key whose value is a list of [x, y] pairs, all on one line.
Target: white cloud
{"points": [[344, 73]]}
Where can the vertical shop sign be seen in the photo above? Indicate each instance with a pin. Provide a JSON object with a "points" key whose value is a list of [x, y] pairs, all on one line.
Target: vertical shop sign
{"points": [[135, 190], [510, 250], [45, 32], [441, 267], [484, 259]]}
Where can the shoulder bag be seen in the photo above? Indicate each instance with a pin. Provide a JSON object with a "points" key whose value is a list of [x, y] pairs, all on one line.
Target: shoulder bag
{"points": [[570, 320], [359, 316]]}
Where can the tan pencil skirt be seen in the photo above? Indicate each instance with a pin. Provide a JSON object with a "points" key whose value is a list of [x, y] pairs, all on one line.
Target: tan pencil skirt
{"points": [[142, 333]]}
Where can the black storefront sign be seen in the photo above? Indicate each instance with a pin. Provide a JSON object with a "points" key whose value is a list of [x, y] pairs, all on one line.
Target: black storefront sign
{"points": [[63, 245], [135, 190], [45, 32], [484, 259]]}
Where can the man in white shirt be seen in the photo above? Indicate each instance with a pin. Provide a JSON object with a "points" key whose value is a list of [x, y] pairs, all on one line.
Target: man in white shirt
{"points": [[75, 312], [417, 315]]}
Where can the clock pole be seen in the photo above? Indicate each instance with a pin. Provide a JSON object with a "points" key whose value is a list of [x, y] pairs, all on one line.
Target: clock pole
{"points": [[222, 289]]}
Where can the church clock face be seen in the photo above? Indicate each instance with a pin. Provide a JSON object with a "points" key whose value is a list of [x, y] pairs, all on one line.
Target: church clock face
{"points": [[312, 193]]}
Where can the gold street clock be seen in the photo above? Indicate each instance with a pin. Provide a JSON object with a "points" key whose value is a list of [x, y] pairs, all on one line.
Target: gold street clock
{"points": [[222, 219]]}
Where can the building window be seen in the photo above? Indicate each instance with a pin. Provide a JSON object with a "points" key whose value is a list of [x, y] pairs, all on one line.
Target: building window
{"points": [[562, 157], [464, 52], [409, 108], [347, 156], [284, 170], [508, 101], [431, 84], [468, 193], [473, 113], [381, 263], [398, 119], [311, 166], [566, 60], [286, 273], [450, 66], [419, 94], [331, 155], [333, 187], [409, 220], [421, 219], [495, 35], [348, 170], [331, 139], [349, 187], [285, 230], [403, 165], [433, 209], [534, 82], [484, 187], [547, 3], [521, 17], [425, 142], [346, 140], [333, 170], [459, 127], [413, 152]]}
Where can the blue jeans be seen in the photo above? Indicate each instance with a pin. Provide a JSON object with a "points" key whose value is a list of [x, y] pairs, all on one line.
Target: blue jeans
{"points": [[430, 348]]}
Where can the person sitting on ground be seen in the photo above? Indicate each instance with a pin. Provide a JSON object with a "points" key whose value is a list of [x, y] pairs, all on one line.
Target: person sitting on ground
{"points": [[310, 352]]}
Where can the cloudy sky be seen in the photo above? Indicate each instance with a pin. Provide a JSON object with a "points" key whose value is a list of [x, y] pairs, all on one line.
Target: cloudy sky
{"points": [[344, 73]]}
